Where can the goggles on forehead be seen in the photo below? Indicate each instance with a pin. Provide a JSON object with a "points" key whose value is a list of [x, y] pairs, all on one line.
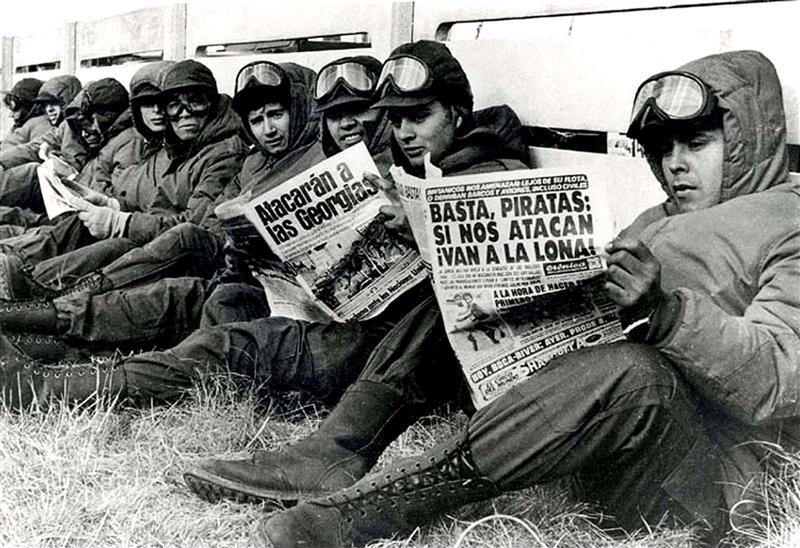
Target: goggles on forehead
{"points": [[11, 102], [354, 76], [407, 74], [192, 103], [670, 96], [259, 73]]}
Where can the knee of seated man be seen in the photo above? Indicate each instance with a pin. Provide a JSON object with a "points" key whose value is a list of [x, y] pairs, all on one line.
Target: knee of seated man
{"points": [[624, 368]]}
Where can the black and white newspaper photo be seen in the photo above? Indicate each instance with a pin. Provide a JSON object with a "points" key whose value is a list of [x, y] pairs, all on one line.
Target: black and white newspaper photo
{"points": [[400, 273]]}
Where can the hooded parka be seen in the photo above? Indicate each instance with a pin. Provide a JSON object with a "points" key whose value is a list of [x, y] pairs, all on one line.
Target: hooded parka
{"points": [[131, 146], [189, 178], [61, 89], [731, 323], [262, 171], [35, 123]]}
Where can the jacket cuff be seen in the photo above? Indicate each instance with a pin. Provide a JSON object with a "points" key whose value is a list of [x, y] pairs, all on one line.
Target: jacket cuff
{"points": [[665, 319]]}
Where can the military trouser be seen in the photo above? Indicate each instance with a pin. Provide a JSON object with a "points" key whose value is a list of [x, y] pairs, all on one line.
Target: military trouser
{"points": [[65, 234], [184, 250], [156, 291], [19, 187], [143, 317], [616, 418], [276, 354]]}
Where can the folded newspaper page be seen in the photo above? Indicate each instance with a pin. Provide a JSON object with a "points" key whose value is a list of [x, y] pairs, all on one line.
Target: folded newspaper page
{"points": [[517, 266], [59, 195], [325, 225]]}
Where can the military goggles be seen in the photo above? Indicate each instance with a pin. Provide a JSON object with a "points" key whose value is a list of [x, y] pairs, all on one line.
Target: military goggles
{"points": [[353, 76], [406, 73], [259, 73], [11, 102], [670, 96], [193, 103]]}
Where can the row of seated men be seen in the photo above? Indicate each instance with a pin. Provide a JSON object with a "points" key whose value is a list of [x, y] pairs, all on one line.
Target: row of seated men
{"points": [[654, 429]]}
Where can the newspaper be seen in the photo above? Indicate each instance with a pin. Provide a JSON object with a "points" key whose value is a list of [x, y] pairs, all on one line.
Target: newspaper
{"points": [[517, 266], [326, 227], [60, 195]]}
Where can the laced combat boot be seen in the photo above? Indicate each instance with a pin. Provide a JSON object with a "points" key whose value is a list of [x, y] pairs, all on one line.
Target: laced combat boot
{"points": [[24, 383], [16, 284], [48, 348], [395, 501], [344, 448], [39, 314], [30, 316]]}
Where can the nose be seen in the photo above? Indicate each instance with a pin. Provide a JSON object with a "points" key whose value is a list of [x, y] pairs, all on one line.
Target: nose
{"points": [[347, 122], [269, 127], [406, 131], [676, 157]]}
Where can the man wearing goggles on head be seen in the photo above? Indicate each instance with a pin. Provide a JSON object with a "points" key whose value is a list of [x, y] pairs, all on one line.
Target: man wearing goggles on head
{"points": [[180, 182], [169, 308], [342, 95], [434, 115], [94, 119], [658, 429], [29, 118]]}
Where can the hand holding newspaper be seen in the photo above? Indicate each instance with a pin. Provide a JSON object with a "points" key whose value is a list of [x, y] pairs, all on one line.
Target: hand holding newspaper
{"points": [[337, 255], [517, 266], [59, 193]]}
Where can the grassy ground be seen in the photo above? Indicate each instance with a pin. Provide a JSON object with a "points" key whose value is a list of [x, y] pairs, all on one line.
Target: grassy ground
{"points": [[112, 478]]}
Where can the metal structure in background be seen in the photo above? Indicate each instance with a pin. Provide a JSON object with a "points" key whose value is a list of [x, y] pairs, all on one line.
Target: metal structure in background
{"points": [[568, 68]]}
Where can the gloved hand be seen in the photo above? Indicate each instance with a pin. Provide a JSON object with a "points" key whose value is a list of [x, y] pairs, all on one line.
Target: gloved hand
{"points": [[104, 222], [44, 151], [100, 199], [62, 168]]}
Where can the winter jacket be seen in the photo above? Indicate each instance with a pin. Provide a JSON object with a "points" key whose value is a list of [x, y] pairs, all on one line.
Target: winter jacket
{"points": [[731, 322], [188, 181], [106, 94], [263, 171], [488, 140], [131, 146], [33, 127]]}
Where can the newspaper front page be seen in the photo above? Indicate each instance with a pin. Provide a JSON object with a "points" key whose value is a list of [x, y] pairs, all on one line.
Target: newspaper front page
{"points": [[326, 227], [517, 267]]}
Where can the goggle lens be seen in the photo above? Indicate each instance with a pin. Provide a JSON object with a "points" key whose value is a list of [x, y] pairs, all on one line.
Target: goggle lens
{"points": [[672, 96], [407, 73], [193, 103], [262, 72], [354, 75]]}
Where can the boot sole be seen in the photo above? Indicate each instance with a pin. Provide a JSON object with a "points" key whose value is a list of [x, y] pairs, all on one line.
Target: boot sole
{"points": [[214, 489]]}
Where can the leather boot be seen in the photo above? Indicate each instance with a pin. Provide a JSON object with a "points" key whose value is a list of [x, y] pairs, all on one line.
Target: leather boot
{"points": [[403, 497], [48, 348], [16, 284], [30, 316], [347, 444], [92, 283], [26, 383]]}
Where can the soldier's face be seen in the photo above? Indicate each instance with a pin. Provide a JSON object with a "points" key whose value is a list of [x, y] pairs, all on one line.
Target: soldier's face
{"points": [[422, 129], [692, 162], [270, 126], [346, 124]]}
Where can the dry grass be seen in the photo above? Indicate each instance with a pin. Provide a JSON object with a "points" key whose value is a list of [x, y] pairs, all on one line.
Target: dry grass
{"points": [[112, 478]]}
